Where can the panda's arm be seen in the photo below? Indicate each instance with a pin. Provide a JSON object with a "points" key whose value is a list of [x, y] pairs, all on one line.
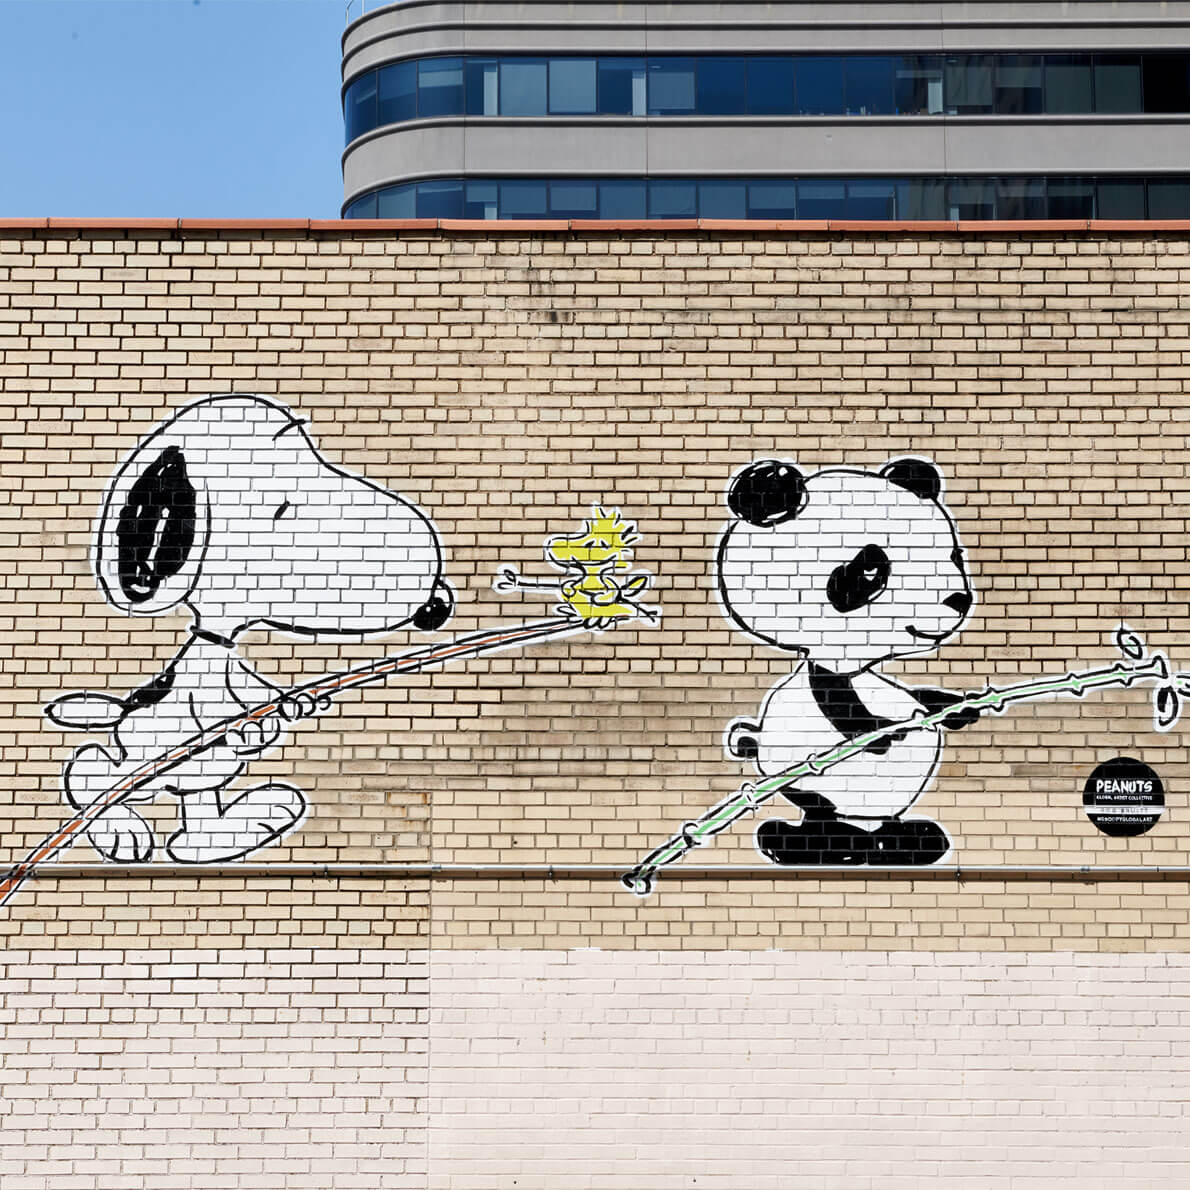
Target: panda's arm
{"points": [[935, 700]]}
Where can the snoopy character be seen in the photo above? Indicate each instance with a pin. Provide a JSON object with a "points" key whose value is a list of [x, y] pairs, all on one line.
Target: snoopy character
{"points": [[228, 510]]}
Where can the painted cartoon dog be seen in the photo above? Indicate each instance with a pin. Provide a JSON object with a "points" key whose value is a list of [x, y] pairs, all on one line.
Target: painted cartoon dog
{"points": [[228, 510]]}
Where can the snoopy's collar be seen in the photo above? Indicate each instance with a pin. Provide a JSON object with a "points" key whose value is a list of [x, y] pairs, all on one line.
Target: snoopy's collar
{"points": [[213, 637]]}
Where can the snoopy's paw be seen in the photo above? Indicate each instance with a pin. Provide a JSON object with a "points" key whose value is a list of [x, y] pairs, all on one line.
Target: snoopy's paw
{"points": [[122, 836], [254, 818]]}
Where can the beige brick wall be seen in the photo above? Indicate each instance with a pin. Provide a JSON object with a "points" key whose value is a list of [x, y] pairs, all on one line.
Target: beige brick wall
{"points": [[505, 383]]}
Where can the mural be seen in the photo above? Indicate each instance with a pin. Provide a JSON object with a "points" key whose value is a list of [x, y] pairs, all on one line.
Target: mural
{"points": [[228, 510], [850, 569]]}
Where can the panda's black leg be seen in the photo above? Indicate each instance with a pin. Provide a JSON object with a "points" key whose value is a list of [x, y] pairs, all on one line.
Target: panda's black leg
{"points": [[909, 841], [820, 838]]}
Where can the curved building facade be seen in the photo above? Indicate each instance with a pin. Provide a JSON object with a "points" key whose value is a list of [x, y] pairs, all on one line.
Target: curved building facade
{"points": [[790, 110]]}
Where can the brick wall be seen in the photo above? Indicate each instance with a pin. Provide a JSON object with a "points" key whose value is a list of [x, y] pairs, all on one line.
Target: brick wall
{"points": [[506, 383]]}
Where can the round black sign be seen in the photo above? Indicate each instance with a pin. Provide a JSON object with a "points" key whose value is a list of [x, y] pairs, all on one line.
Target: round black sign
{"points": [[1124, 797]]}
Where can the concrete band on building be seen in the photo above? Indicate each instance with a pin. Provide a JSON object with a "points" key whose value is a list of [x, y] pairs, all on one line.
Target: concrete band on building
{"points": [[1034, 150], [434, 979]]}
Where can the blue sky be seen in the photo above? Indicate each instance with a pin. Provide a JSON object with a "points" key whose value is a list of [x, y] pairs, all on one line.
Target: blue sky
{"points": [[199, 108]]}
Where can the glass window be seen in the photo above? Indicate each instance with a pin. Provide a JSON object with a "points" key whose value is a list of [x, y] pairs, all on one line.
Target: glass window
{"points": [[819, 86], [722, 200], [922, 198], [1169, 198], [875, 199], [972, 198], [574, 200], [1068, 86], [397, 202], [1117, 83], [622, 200], [1167, 83], [722, 86], [773, 200], [1020, 198], [359, 106], [1070, 198], [440, 200], [398, 92], [1018, 85], [672, 200], [869, 85], [440, 87], [482, 201], [483, 87], [523, 87], [523, 200], [820, 200], [968, 84], [917, 86], [671, 86], [770, 86], [362, 208], [622, 87], [1120, 198], [572, 86]]}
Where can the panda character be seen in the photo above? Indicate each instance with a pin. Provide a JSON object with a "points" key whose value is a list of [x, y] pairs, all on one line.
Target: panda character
{"points": [[848, 569]]}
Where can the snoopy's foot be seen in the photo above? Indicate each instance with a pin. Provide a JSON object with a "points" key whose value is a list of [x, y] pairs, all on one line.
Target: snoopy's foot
{"points": [[814, 840], [214, 831], [909, 841], [122, 836]]}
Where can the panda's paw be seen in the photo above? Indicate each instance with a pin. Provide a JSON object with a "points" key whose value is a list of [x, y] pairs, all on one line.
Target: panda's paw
{"points": [[827, 841], [909, 841], [743, 739], [960, 719]]}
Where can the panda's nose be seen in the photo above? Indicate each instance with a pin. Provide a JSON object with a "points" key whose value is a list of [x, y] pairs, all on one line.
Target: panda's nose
{"points": [[959, 602]]}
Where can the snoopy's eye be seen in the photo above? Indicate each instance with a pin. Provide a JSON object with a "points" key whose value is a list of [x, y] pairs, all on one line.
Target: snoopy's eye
{"points": [[282, 509]]}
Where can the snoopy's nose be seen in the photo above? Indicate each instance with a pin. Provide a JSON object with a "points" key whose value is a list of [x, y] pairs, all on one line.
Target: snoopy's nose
{"points": [[436, 610], [959, 602]]}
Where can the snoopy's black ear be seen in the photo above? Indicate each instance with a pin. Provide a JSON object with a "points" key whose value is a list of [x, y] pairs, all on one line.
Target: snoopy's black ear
{"points": [[918, 476], [155, 529], [767, 493]]}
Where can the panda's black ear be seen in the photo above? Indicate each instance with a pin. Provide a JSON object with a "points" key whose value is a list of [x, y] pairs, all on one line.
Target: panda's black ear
{"points": [[767, 493], [918, 476]]}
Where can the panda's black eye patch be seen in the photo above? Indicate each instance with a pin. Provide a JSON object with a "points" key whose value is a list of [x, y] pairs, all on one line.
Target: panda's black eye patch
{"points": [[856, 583]]}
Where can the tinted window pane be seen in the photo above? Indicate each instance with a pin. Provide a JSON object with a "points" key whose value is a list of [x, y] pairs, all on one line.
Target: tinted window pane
{"points": [[439, 200], [918, 86], [1020, 198], [968, 84], [773, 200], [622, 87], [870, 200], [1070, 198], [672, 200], [572, 86], [819, 83], [523, 87], [362, 208], [523, 200], [1169, 198], [1120, 198], [574, 200], [1068, 85], [722, 200], [1018, 85], [820, 200], [482, 201], [359, 106], [671, 87], [483, 89], [398, 92], [440, 88], [397, 202], [869, 86], [770, 86], [1117, 84], [722, 86], [622, 200], [972, 199], [1167, 83], [922, 198]]}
